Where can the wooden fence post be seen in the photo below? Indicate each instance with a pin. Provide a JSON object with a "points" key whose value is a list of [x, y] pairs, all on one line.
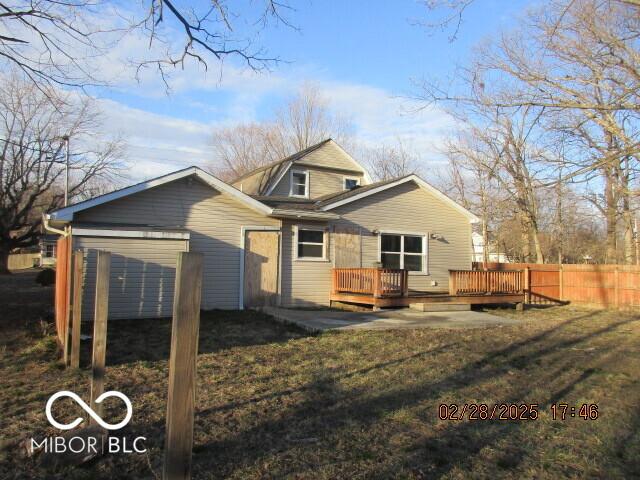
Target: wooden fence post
{"points": [[182, 367], [67, 320], [103, 270], [560, 283], [78, 265], [527, 285]]}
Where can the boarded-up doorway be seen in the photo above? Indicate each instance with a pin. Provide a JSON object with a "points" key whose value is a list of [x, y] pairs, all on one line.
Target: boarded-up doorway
{"points": [[347, 243], [261, 259]]}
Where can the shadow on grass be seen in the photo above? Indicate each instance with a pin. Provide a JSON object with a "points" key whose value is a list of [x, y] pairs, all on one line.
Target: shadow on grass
{"points": [[150, 339], [327, 409]]}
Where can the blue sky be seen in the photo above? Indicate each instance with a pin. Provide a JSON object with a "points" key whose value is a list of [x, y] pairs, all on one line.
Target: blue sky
{"points": [[363, 55]]}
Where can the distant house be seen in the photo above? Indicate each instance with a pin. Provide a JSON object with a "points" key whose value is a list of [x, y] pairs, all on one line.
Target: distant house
{"points": [[47, 245], [493, 255], [271, 236]]}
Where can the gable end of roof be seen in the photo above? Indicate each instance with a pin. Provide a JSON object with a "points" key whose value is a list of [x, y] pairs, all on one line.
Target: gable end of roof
{"points": [[359, 193], [66, 213]]}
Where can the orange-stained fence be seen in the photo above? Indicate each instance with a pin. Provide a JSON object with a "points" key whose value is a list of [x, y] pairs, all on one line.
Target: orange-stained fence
{"points": [[379, 282], [62, 286], [595, 285], [485, 282]]}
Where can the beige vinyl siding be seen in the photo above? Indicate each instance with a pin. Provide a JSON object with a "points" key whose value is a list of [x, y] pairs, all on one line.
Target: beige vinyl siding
{"points": [[408, 208], [142, 275], [250, 185], [214, 221], [330, 155], [304, 283], [321, 181]]}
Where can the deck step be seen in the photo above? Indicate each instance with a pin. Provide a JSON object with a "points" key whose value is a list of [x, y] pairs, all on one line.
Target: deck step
{"points": [[440, 307]]}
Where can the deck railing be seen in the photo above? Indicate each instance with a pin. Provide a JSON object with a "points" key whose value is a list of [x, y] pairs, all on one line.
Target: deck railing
{"points": [[378, 282], [486, 282]]}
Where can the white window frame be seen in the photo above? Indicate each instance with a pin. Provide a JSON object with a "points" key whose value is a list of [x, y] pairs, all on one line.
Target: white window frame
{"points": [[325, 242], [306, 183], [344, 182], [425, 249]]}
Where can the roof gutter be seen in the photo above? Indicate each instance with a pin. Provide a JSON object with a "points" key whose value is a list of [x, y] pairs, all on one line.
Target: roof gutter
{"points": [[311, 215]]}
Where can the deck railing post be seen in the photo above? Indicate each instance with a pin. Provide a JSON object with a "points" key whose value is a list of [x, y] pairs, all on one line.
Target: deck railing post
{"points": [[452, 282], [376, 282], [405, 283]]}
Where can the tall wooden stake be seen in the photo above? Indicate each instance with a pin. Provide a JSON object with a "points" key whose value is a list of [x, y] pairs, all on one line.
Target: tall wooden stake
{"points": [[78, 265], [182, 367], [103, 268], [69, 280]]}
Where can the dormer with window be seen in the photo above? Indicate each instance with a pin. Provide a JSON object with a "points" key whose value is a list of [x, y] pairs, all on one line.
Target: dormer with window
{"points": [[299, 183], [315, 172]]}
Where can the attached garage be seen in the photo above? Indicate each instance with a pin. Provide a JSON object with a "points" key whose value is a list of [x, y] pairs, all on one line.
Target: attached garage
{"points": [[143, 267]]}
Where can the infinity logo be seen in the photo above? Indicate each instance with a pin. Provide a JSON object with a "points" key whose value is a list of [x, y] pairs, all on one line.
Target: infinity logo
{"points": [[88, 409]]}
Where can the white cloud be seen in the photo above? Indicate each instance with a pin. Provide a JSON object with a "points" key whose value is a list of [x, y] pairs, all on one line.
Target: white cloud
{"points": [[156, 144], [160, 143]]}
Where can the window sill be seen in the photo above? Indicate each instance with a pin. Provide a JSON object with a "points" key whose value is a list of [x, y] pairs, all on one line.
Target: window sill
{"points": [[419, 274], [311, 259]]}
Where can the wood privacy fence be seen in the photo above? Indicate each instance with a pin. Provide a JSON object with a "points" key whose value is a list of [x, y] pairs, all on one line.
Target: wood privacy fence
{"points": [[609, 286], [379, 282], [19, 261]]}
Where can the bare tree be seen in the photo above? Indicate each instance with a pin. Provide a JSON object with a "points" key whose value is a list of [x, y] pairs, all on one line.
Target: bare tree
{"points": [[243, 148], [577, 63], [307, 119], [391, 161], [56, 41], [33, 122], [304, 120]]}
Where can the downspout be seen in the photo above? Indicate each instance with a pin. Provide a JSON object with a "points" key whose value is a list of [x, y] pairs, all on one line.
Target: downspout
{"points": [[49, 228]]}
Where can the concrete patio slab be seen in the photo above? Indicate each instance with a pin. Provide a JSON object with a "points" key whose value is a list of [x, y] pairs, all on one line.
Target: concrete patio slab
{"points": [[321, 320]]}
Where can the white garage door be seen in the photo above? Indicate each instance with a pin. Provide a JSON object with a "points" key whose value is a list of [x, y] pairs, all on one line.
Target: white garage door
{"points": [[142, 275]]}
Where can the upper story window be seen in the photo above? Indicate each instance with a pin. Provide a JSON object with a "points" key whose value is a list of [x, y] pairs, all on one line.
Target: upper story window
{"points": [[351, 182], [403, 251], [299, 183]]}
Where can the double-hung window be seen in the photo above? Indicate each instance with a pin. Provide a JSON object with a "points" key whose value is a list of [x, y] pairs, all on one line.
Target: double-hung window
{"points": [[311, 243], [403, 251], [299, 183]]}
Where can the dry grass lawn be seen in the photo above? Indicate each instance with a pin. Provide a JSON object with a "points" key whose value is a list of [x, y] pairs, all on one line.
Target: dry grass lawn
{"points": [[276, 402]]}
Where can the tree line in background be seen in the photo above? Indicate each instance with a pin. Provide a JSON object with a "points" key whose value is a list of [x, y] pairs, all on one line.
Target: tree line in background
{"points": [[547, 147]]}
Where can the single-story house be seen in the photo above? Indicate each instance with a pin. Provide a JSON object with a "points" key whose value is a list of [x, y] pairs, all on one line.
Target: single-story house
{"points": [[270, 237]]}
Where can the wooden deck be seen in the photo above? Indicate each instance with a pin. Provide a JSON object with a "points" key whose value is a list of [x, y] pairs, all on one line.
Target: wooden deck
{"points": [[418, 297], [381, 287]]}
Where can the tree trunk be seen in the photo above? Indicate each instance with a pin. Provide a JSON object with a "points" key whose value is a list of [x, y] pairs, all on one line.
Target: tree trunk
{"points": [[4, 259], [537, 245], [611, 216], [526, 241], [485, 244], [627, 217]]}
